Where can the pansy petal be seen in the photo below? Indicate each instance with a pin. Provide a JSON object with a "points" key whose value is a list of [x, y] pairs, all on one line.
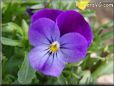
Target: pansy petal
{"points": [[37, 56], [43, 31], [44, 62], [73, 46], [54, 65], [46, 13], [72, 21]]}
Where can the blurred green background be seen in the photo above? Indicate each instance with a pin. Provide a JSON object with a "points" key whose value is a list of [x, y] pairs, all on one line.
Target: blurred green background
{"points": [[15, 45]]}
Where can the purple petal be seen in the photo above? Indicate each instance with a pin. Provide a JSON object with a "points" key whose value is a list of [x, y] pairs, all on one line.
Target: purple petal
{"points": [[43, 31], [73, 46], [47, 13], [72, 21], [54, 65], [36, 55], [47, 64]]}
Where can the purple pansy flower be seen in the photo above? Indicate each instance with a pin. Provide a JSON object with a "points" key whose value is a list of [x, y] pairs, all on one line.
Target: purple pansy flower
{"points": [[58, 37]]}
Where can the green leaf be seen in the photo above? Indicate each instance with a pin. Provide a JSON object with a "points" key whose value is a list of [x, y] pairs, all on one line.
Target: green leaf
{"points": [[88, 13], [105, 68], [10, 27], [37, 6], [111, 47], [25, 73], [0, 71], [25, 28], [73, 78], [11, 42], [75, 75], [61, 80], [2, 5], [15, 82], [104, 26], [86, 77], [107, 35], [107, 25]]}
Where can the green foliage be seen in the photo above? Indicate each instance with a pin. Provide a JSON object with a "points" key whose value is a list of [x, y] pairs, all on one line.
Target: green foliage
{"points": [[10, 42], [25, 73], [105, 68], [86, 76], [25, 29], [16, 68]]}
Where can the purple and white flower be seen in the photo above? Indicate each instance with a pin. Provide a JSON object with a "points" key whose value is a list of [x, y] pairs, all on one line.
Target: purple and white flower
{"points": [[58, 37]]}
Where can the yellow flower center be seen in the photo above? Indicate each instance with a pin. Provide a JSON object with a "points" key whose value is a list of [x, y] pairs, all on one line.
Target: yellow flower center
{"points": [[54, 47]]}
